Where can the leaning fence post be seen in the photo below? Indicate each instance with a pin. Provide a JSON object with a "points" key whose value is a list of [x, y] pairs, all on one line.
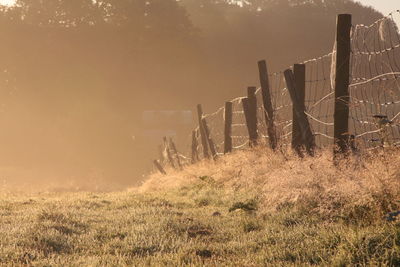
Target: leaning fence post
{"points": [[202, 132], [305, 128], [209, 139], [250, 112], [342, 81], [300, 81], [173, 146], [267, 104], [159, 167], [169, 156], [195, 153], [228, 127]]}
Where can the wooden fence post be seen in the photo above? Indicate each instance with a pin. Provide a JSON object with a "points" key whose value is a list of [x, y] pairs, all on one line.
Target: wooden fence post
{"points": [[173, 147], [202, 132], [159, 167], [300, 81], [251, 95], [169, 156], [209, 139], [305, 128], [342, 81], [267, 104], [250, 112], [195, 153], [228, 127]]}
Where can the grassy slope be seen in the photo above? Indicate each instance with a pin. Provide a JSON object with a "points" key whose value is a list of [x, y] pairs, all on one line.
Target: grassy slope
{"points": [[315, 215]]}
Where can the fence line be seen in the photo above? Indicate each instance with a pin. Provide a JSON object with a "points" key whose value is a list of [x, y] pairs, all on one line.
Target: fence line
{"points": [[371, 97]]}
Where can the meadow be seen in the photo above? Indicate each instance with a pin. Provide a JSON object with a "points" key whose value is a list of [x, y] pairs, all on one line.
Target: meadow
{"points": [[250, 208]]}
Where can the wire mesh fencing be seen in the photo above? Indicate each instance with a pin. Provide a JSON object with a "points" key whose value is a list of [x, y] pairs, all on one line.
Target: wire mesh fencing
{"points": [[375, 88]]}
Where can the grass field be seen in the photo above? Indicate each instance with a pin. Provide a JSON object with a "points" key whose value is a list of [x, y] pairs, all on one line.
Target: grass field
{"points": [[199, 217]]}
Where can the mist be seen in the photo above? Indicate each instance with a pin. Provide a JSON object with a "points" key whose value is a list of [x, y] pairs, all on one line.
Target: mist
{"points": [[81, 79]]}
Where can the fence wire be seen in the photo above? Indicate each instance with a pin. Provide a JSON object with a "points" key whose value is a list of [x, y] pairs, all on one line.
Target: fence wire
{"points": [[320, 98], [216, 123], [283, 108]]}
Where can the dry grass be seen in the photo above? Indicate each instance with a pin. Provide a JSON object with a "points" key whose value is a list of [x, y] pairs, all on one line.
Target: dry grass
{"points": [[251, 208], [370, 184]]}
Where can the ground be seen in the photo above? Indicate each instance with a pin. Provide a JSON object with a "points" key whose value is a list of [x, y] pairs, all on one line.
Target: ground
{"points": [[201, 223]]}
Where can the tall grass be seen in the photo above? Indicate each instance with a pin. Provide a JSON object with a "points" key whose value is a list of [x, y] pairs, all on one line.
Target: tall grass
{"points": [[250, 208], [363, 187]]}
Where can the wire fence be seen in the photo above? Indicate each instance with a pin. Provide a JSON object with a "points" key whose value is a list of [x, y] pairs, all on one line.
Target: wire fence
{"points": [[374, 90], [319, 108]]}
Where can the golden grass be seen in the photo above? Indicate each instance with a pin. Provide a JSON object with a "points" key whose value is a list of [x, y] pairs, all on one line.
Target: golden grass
{"points": [[251, 208], [370, 181]]}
